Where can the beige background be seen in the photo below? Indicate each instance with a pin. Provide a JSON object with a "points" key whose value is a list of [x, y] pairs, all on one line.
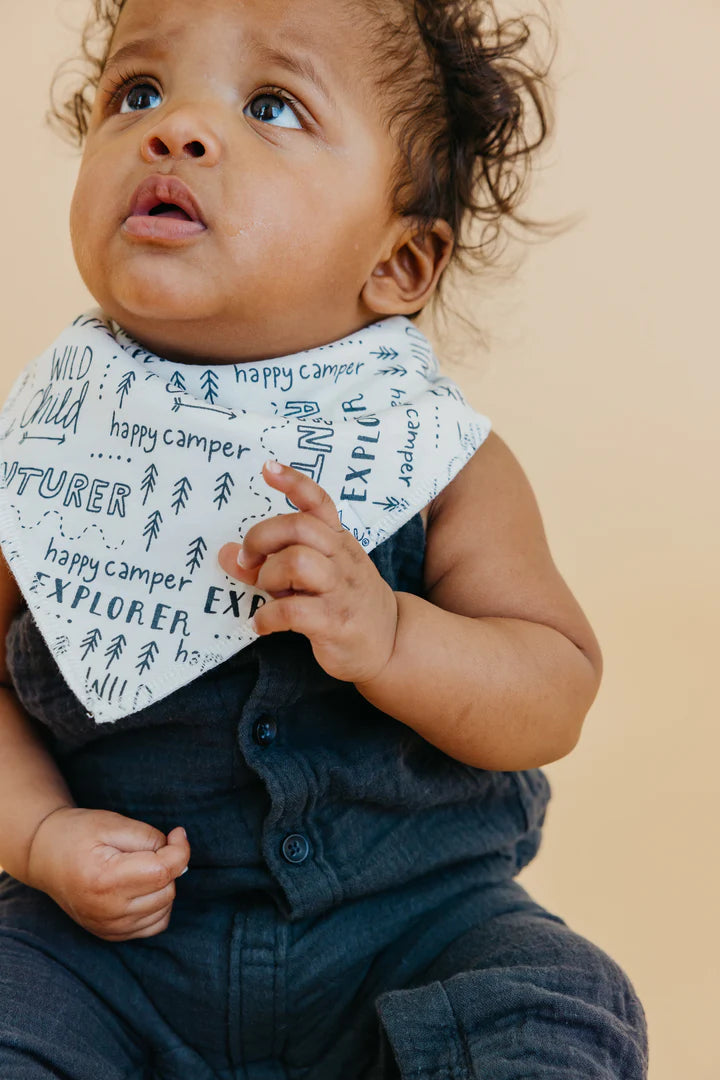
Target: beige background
{"points": [[603, 376]]}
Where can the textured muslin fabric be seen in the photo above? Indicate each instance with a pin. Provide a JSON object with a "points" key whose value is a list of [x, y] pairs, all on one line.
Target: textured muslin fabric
{"points": [[349, 913], [458, 976], [122, 474]]}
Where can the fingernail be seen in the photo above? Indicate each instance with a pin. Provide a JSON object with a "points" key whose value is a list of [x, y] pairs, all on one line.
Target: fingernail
{"points": [[183, 832], [183, 871], [240, 559], [273, 466]]}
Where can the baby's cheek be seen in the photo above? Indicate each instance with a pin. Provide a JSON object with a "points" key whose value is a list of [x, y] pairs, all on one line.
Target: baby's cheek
{"points": [[85, 225]]}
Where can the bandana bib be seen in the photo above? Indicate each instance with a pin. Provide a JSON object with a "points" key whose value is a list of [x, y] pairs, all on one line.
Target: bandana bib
{"points": [[122, 474]]}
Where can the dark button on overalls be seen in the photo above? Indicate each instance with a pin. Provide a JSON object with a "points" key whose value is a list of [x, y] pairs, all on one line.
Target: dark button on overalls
{"points": [[350, 911], [264, 730]]}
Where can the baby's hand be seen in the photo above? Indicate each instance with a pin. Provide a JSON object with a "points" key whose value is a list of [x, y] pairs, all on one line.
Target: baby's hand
{"points": [[322, 582], [113, 875]]}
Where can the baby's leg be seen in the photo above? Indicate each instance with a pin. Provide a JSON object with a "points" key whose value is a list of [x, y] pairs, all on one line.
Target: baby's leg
{"points": [[520, 996], [52, 1024], [70, 1008]]}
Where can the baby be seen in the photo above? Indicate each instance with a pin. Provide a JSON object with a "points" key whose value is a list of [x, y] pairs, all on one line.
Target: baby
{"points": [[384, 651]]}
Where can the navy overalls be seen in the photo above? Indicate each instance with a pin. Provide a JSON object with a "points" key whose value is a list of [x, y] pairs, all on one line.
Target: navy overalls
{"points": [[349, 913]]}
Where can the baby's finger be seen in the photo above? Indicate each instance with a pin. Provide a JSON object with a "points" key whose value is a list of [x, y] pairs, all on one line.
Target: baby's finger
{"points": [[130, 928], [303, 614], [157, 926], [139, 908], [176, 854], [227, 560], [178, 838], [272, 535], [296, 569], [302, 491], [143, 872], [151, 903]]}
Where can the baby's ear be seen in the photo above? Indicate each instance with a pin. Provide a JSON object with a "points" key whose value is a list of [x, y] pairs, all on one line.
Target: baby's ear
{"points": [[404, 282]]}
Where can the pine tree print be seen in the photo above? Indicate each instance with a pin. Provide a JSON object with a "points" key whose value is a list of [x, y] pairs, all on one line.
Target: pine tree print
{"points": [[90, 641], [37, 582], [146, 657], [124, 387], [389, 355], [385, 353], [178, 381], [115, 649], [209, 383], [391, 503], [152, 528], [149, 481], [180, 494], [224, 486], [195, 554]]}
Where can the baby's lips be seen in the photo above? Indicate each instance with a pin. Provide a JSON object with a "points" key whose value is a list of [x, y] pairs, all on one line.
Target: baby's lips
{"points": [[157, 189]]}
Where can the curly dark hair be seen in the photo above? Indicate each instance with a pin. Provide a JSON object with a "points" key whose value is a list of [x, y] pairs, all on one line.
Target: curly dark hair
{"points": [[463, 92]]}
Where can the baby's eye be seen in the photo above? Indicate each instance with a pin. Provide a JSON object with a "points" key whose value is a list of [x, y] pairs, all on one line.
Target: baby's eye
{"points": [[273, 108], [139, 97]]}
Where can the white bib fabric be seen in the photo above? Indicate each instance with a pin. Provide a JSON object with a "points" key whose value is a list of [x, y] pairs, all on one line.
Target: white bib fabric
{"points": [[122, 474]]}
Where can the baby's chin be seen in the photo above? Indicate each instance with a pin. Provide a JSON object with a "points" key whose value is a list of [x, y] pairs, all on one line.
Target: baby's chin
{"points": [[185, 341], [179, 328], [193, 339], [197, 336]]}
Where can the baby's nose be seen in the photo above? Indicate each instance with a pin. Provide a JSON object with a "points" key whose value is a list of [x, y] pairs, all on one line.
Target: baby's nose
{"points": [[183, 133]]}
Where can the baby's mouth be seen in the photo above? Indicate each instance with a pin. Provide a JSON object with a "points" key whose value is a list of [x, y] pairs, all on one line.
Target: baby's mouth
{"points": [[169, 210], [164, 209]]}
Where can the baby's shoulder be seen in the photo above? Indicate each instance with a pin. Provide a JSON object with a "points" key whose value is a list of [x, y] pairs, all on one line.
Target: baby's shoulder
{"points": [[491, 484], [486, 552], [485, 518]]}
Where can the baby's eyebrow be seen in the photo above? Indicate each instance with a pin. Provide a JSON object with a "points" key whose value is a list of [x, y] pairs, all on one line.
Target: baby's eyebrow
{"points": [[299, 64], [160, 45], [148, 48]]}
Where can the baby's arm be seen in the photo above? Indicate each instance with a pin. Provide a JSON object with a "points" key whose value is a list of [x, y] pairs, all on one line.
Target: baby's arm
{"points": [[113, 875], [31, 785], [497, 666]]}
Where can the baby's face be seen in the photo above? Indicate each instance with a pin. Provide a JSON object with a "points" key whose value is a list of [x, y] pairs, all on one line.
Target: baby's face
{"points": [[286, 185]]}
